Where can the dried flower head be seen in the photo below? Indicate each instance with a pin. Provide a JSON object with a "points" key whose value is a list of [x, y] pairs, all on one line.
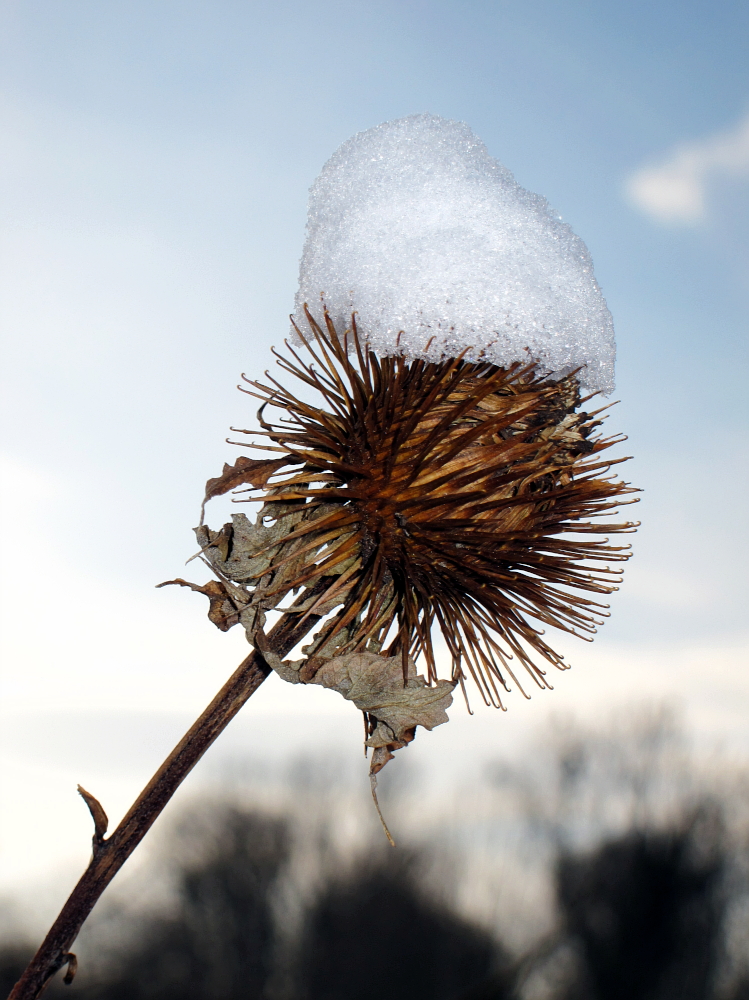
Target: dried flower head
{"points": [[418, 494], [413, 497]]}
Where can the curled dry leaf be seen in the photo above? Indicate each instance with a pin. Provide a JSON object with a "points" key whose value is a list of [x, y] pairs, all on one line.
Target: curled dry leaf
{"points": [[374, 683], [224, 610], [245, 471], [259, 562], [417, 497]]}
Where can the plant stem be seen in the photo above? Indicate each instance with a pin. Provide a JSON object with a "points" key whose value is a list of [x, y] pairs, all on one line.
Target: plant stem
{"points": [[111, 854]]}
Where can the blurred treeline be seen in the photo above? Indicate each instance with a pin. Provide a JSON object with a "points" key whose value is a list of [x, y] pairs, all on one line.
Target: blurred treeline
{"points": [[609, 867]]}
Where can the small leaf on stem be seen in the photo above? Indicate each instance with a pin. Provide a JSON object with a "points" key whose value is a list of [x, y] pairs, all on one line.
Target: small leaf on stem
{"points": [[101, 822]]}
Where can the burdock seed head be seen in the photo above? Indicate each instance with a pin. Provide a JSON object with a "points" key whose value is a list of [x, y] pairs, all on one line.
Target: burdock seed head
{"points": [[450, 496], [437, 469]]}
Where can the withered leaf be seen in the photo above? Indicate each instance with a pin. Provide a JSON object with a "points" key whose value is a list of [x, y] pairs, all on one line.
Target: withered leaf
{"points": [[261, 561], [255, 472], [254, 546], [374, 683], [223, 611], [223, 541]]}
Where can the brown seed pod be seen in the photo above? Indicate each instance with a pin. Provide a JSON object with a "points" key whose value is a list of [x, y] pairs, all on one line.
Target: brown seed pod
{"points": [[454, 496]]}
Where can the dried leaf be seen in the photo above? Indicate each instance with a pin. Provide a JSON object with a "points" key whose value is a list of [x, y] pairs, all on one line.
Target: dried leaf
{"points": [[380, 757], [255, 472], [223, 541], [224, 610], [374, 683], [254, 546], [260, 564]]}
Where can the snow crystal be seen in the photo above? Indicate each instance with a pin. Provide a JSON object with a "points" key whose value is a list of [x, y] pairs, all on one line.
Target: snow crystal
{"points": [[432, 243]]}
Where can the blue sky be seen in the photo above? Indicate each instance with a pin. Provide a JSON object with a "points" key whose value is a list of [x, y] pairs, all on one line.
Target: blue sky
{"points": [[156, 163]]}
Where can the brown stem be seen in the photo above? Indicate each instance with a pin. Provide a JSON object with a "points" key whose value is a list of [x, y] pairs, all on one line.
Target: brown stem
{"points": [[111, 854]]}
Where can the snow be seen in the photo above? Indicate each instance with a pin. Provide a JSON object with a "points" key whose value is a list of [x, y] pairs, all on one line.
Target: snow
{"points": [[436, 247]]}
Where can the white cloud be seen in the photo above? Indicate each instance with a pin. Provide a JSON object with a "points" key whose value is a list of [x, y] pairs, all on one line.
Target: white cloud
{"points": [[675, 190]]}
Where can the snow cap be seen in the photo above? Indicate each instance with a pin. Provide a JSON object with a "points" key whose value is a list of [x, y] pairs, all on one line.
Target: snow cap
{"points": [[432, 243]]}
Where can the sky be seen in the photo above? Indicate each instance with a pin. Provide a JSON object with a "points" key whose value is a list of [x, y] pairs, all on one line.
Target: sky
{"points": [[156, 159]]}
